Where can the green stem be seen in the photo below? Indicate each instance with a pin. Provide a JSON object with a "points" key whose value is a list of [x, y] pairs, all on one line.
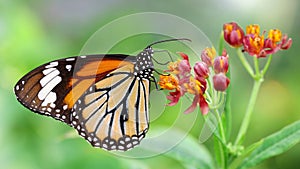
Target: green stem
{"points": [[245, 62], [247, 117], [222, 132], [267, 65], [227, 109], [256, 66], [222, 143], [221, 44]]}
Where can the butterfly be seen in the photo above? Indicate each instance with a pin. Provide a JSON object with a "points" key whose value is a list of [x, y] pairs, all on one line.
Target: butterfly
{"points": [[104, 97]]}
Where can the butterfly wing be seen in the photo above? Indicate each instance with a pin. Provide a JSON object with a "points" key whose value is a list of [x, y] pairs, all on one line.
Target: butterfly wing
{"points": [[113, 113], [98, 95]]}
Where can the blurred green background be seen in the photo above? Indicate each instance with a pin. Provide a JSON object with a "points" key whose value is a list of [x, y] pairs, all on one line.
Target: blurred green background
{"points": [[33, 32]]}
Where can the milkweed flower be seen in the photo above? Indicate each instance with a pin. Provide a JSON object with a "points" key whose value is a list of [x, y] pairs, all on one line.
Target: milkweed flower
{"points": [[201, 70], [220, 82], [201, 74], [195, 87], [233, 34], [221, 63], [169, 82], [208, 55], [181, 81], [253, 42]]}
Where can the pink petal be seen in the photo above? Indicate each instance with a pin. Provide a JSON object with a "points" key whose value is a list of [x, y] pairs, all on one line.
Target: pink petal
{"points": [[174, 97], [203, 105], [193, 106]]}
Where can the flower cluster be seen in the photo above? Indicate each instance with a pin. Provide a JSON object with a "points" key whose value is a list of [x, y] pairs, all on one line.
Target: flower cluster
{"points": [[253, 42], [181, 80]]}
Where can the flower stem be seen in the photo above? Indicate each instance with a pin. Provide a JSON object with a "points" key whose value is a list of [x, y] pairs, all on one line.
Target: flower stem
{"points": [[267, 65], [256, 65], [221, 44], [222, 131], [247, 117], [220, 142], [227, 109], [245, 62]]}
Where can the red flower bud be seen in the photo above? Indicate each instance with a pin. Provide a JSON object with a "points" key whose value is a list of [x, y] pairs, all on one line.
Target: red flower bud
{"points": [[201, 70], [233, 34], [221, 64], [221, 82], [184, 65]]}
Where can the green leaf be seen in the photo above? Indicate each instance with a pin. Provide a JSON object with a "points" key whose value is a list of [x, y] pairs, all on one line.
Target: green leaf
{"points": [[244, 154], [189, 151], [273, 145]]}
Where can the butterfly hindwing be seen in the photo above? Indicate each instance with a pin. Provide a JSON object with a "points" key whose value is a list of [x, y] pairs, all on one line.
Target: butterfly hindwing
{"points": [[114, 116]]}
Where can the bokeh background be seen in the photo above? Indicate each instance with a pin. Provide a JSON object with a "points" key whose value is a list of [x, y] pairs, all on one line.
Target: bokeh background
{"points": [[33, 32]]}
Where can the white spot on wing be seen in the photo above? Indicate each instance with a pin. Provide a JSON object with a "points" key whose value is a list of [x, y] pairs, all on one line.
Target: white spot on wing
{"points": [[17, 87], [52, 64], [83, 56], [49, 77], [47, 71], [52, 105], [70, 59], [68, 67], [65, 107], [50, 98], [47, 88]]}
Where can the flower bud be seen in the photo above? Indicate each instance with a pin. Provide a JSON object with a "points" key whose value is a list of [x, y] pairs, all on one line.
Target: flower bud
{"points": [[233, 34], [221, 64], [201, 70], [184, 65], [220, 82]]}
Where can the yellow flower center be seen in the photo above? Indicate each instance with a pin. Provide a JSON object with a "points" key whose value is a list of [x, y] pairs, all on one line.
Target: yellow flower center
{"points": [[168, 82], [229, 27], [211, 52], [193, 87], [257, 43], [173, 67], [275, 35], [253, 29]]}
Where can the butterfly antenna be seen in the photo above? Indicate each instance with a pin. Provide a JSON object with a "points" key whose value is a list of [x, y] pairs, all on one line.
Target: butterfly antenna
{"points": [[169, 40]]}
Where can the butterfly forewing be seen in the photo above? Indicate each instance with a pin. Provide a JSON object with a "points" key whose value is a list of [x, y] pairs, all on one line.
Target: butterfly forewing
{"points": [[104, 97]]}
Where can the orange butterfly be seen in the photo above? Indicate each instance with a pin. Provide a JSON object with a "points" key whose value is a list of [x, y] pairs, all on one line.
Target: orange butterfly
{"points": [[104, 97]]}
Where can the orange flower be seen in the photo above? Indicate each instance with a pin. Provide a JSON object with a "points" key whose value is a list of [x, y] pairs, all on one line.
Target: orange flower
{"points": [[169, 82], [253, 42]]}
